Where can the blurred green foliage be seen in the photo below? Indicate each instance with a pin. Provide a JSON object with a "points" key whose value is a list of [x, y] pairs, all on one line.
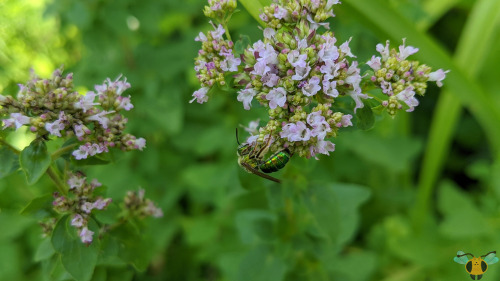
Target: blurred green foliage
{"points": [[392, 203]]}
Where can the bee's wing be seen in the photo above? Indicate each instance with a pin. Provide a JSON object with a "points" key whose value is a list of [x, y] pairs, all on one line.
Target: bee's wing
{"points": [[461, 259], [491, 258]]}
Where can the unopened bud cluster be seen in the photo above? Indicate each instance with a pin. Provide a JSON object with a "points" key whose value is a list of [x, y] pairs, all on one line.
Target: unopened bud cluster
{"points": [[138, 206], [400, 79], [298, 72], [51, 107], [219, 9], [79, 203]]}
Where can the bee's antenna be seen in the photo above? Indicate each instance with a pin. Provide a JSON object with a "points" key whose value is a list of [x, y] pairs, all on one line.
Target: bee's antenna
{"points": [[237, 140], [466, 255], [492, 252]]}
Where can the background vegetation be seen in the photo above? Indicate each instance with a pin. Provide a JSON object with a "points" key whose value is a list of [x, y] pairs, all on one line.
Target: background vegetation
{"points": [[392, 203]]}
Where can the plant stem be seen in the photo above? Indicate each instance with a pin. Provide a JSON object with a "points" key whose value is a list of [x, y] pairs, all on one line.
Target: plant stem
{"points": [[6, 144], [62, 150], [57, 181]]}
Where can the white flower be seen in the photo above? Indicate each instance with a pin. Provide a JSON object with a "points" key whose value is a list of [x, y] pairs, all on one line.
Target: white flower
{"points": [[384, 51], [330, 88], [374, 63], [296, 132], [438, 76], [311, 87], [246, 96], [276, 97], [86, 235], [200, 95], [17, 119], [78, 221], [408, 96], [405, 52], [86, 102], [344, 48], [301, 72]]}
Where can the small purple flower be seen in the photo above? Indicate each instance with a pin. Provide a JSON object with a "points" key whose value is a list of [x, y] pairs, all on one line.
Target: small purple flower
{"points": [[386, 87], [201, 37], [87, 207], [296, 132], [281, 13], [86, 235], [124, 102], [75, 181], [218, 32], [100, 203], [54, 128], [276, 97], [269, 33], [200, 95], [296, 59], [82, 152], [345, 49], [260, 68], [100, 118], [301, 73], [330, 88], [438, 76], [311, 87], [87, 102], [323, 147], [356, 95], [152, 210], [140, 143], [384, 51], [319, 125], [408, 96], [230, 63], [270, 79], [405, 52], [330, 3], [328, 51], [330, 69], [78, 221], [345, 121], [253, 127], [316, 25], [17, 119], [246, 96], [374, 63]]}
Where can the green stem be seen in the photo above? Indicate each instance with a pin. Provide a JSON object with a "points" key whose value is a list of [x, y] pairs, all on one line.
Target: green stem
{"points": [[57, 181], [6, 144], [62, 150], [224, 24]]}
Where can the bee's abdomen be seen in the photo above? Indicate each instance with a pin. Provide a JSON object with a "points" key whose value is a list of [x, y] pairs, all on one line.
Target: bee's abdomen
{"points": [[276, 162]]}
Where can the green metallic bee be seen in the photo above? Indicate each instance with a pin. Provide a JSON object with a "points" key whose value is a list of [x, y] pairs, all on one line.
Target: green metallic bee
{"points": [[251, 158]]}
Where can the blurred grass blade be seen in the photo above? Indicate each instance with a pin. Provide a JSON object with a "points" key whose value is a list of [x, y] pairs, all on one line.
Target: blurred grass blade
{"points": [[471, 53], [435, 10], [394, 25], [255, 7]]}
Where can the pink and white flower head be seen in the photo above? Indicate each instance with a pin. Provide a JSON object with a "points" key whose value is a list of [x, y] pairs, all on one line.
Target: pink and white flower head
{"points": [[438, 76], [408, 96], [75, 181], [276, 97], [17, 120], [86, 235], [296, 132], [246, 96], [78, 221], [200, 95], [405, 52]]}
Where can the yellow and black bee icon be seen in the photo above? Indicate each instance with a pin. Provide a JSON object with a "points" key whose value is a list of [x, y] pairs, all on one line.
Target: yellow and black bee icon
{"points": [[476, 266]]}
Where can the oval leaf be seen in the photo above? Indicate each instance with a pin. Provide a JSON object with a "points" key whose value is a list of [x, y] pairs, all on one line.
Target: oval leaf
{"points": [[35, 160], [77, 258], [9, 163], [365, 117]]}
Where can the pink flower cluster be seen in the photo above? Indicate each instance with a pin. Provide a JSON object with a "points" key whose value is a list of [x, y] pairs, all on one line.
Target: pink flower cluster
{"points": [[80, 202], [50, 107]]}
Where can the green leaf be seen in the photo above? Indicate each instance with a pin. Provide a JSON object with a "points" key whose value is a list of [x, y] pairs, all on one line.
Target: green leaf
{"points": [[260, 264], [9, 163], [44, 250], [77, 258], [324, 206], [35, 160], [365, 117], [42, 202], [241, 44], [462, 218]]}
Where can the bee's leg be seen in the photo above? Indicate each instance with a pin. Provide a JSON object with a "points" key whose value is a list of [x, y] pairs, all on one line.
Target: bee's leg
{"points": [[479, 277], [263, 149], [473, 277]]}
